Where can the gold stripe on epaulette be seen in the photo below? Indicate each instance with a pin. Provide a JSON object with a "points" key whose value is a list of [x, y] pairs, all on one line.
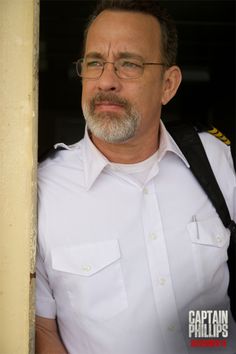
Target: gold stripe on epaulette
{"points": [[214, 131]]}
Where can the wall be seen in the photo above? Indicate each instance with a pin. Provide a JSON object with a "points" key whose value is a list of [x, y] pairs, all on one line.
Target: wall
{"points": [[18, 141]]}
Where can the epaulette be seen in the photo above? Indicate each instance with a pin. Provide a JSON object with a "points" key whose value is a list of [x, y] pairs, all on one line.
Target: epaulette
{"points": [[218, 134], [200, 127]]}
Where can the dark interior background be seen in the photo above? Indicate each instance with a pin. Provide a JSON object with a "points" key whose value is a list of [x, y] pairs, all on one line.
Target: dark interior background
{"points": [[206, 57]]}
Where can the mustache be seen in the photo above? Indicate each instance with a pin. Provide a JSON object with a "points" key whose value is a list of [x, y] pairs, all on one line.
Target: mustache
{"points": [[109, 97]]}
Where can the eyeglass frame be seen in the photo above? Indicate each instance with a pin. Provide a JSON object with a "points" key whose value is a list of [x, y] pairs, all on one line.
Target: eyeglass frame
{"points": [[104, 62]]}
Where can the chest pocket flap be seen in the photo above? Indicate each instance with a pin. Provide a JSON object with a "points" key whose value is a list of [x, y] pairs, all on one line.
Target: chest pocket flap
{"points": [[86, 259]]}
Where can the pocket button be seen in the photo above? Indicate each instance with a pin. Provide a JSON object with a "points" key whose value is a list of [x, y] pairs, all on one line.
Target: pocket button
{"points": [[219, 240]]}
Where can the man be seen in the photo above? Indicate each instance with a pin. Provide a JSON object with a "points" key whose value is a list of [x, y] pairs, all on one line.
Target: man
{"points": [[128, 241]]}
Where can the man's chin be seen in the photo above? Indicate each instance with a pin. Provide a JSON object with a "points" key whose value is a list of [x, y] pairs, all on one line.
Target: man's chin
{"points": [[111, 137], [112, 127]]}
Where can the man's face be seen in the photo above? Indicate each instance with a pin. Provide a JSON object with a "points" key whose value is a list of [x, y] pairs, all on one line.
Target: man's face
{"points": [[117, 110]]}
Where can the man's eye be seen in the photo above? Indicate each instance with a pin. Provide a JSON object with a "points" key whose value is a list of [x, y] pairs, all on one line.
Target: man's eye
{"points": [[94, 64], [130, 65]]}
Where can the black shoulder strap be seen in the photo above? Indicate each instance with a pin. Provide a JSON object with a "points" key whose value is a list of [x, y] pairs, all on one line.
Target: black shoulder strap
{"points": [[187, 138]]}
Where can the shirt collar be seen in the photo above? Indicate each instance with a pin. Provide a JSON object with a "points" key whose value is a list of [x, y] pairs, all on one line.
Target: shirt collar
{"points": [[167, 143], [95, 162]]}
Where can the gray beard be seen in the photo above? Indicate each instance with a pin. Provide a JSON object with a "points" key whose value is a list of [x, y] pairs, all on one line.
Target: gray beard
{"points": [[112, 127]]}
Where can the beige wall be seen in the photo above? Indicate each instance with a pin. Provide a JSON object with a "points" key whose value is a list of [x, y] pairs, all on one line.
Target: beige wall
{"points": [[18, 122]]}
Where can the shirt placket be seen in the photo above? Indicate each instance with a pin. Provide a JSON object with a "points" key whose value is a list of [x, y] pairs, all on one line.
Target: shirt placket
{"points": [[159, 268]]}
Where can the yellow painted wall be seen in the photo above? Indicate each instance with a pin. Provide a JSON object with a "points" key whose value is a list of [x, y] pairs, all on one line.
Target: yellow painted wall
{"points": [[18, 132]]}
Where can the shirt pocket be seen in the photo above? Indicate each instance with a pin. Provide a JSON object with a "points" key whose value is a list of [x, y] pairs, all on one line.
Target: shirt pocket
{"points": [[93, 278], [210, 241]]}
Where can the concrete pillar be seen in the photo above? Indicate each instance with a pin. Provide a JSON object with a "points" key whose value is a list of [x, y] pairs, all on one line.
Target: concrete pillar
{"points": [[18, 142]]}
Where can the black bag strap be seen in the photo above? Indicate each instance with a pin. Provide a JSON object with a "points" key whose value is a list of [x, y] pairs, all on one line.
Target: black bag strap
{"points": [[187, 138]]}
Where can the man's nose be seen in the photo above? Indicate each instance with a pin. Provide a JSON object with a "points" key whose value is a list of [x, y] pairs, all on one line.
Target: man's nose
{"points": [[109, 81]]}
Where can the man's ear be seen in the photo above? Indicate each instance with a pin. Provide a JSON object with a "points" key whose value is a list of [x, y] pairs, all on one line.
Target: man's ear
{"points": [[171, 81]]}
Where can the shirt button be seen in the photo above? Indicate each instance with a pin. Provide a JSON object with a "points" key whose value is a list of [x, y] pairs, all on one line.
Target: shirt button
{"points": [[162, 281], [145, 190], [86, 268], [171, 328], [153, 236]]}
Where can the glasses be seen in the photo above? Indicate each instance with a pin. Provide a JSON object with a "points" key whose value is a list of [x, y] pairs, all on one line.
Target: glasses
{"points": [[124, 68]]}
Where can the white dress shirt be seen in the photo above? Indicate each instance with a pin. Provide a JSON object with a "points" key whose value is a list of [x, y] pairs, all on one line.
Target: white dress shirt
{"points": [[121, 262]]}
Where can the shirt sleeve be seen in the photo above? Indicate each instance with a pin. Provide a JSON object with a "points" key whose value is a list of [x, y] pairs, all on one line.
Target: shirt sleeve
{"points": [[45, 303], [221, 161]]}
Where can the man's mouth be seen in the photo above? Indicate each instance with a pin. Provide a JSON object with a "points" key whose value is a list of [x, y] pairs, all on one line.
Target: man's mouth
{"points": [[108, 106]]}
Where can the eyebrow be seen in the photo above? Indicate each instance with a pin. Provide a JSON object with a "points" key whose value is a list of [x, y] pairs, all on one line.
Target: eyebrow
{"points": [[95, 55], [130, 55], [120, 55]]}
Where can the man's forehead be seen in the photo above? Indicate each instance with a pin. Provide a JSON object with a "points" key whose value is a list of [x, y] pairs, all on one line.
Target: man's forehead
{"points": [[120, 28], [126, 19]]}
